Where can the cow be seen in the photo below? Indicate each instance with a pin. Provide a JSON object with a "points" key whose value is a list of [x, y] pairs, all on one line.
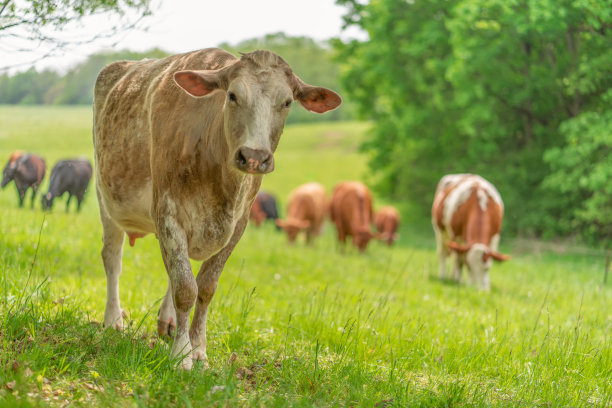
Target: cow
{"points": [[386, 220], [467, 215], [68, 176], [351, 212], [306, 211], [263, 208], [181, 145], [28, 171]]}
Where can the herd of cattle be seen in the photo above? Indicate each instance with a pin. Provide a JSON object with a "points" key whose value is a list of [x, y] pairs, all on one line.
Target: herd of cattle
{"points": [[350, 209], [467, 215], [181, 145], [27, 170]]}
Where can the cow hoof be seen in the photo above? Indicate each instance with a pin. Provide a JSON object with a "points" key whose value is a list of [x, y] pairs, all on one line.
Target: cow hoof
{"points": [[166, 329], [186, 364], [117, 325], [115, 320], [200, 355]]}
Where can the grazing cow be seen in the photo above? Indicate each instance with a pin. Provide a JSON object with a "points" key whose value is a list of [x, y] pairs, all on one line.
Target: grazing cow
{"points": [[181, 145], [387, 220], [305, 212], [68, 176], [263, 208], [28, 171], [351, 212], [467, 215]]}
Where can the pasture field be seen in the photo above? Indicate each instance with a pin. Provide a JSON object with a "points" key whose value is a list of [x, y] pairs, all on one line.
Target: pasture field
{"points": [[289, 325]]}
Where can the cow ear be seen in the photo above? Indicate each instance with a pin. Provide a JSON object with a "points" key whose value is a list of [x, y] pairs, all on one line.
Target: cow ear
{"points": [[315, 98], [318, 99], [199, 83], [453, 246], [499, 256], [280, 223]]}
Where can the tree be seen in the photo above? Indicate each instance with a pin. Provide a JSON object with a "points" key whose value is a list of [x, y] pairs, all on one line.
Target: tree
{"points": [[480, 86], [27, 24]]}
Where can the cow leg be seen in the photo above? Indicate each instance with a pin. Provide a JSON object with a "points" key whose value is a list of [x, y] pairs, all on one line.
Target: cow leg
{"points": [[207, 284], [79, 201], [442, 254], [68, 202], [341, 237], [174, 249], [34, 188], [21, 193], [166, 319], [112, 250], [457, 265]]}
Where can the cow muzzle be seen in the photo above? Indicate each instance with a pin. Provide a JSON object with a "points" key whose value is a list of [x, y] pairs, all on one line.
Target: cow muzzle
{"points": [[254, 161]]}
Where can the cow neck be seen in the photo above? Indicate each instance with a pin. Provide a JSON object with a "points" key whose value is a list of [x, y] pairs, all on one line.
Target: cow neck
{"points": [[478, 228], [361, 211], [300, 207]]}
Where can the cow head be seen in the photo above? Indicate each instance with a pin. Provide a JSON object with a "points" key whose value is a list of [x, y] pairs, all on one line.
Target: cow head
{"points": [[47, 201], [11, 167], [8, 173], [478, 258], [292, 226], [260, 89], [362, 237]]}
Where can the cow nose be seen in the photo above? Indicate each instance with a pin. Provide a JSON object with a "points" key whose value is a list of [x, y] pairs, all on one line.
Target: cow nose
{"points": [[254, 161]]}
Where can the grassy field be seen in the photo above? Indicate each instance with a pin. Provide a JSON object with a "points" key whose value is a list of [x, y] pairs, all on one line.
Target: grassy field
{"points": [[289, 325]]}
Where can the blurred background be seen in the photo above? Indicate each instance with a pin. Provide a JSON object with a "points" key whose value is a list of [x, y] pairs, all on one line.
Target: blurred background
{"points": [[518, 92]]}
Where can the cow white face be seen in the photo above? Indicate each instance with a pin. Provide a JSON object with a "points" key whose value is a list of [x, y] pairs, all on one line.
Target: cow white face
{"points": [[479, 264], [254, 118], [260, 88]]}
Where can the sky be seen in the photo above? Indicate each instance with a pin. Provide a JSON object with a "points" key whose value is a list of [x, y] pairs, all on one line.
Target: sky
{"points": [[184, 25]]}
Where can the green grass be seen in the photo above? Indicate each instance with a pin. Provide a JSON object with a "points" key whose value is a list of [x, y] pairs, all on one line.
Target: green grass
{"points": [[289, 325]]}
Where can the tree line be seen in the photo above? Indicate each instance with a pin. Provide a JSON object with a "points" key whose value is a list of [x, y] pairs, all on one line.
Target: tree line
{"points": [[313, 61], [518, 91]]}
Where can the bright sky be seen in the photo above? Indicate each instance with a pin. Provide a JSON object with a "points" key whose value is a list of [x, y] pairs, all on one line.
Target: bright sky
{"points": [[185, 25]]}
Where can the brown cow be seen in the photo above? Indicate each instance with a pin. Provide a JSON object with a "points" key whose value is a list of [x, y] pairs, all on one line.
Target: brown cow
{"points": [[181, 144], [387, 220], [467, 215], [305, 212], [27, 170], [351, 212]]}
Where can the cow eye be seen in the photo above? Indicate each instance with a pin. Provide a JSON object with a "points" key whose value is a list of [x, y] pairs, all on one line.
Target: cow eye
{"points": [[232, 97], [287, 103]]}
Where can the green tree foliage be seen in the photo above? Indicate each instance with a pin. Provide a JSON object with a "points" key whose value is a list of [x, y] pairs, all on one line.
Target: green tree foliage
{"points": [[482, 86], [73, 88], [27, 88], [25, 24]]}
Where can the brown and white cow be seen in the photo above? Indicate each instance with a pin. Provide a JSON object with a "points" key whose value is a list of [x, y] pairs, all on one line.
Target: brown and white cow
{"points": [[351, 212], [386, 220], [305, 212], [181, 144], [467, 215]]}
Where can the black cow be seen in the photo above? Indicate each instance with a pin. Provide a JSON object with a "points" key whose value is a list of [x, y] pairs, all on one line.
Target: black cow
{"points": [[264, 208], [28, 171], [71, 176]]}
